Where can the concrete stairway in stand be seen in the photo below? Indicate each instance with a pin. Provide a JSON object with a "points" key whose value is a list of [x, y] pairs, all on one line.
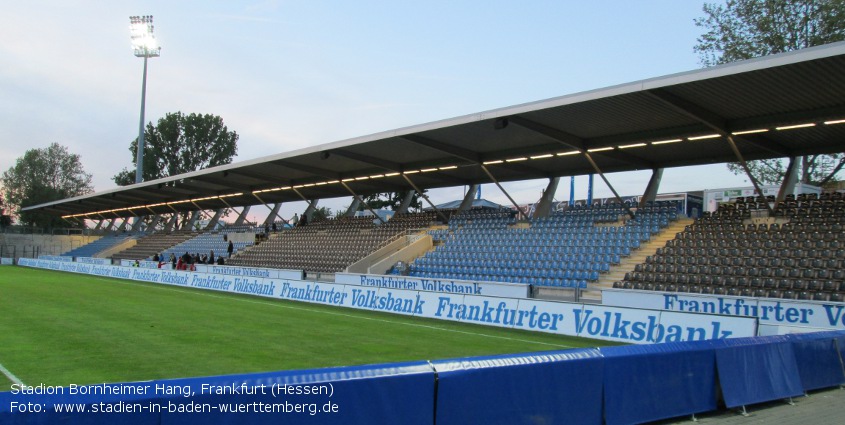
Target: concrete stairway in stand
{"points": [[617, 273]]}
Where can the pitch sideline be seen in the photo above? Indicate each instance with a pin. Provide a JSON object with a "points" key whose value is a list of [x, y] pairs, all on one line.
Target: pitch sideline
{"points": [[10, 375]]}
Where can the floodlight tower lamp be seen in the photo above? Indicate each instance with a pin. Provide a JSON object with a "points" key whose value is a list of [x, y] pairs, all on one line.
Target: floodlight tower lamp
{"points": [[143, 45]]}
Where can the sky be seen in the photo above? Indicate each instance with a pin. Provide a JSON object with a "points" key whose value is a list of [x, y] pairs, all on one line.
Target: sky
{"points": [[287, 75]]}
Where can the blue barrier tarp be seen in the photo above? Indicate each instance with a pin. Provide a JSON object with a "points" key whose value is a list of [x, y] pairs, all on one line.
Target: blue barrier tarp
{"points": [[756, 370], [839, 337], [91, 404], [364, 395], [650, 382], [817, 358], [543, 388]]}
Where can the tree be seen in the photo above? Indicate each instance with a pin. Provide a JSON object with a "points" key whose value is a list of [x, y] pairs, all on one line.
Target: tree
{"points": [[44, 175], [744, 29], [179, 144], [5, 219], [817, 170], [392, 200], [321, 214]]}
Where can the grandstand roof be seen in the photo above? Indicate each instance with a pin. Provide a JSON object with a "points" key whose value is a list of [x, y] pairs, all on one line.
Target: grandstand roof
{"points": [[654, 123]]}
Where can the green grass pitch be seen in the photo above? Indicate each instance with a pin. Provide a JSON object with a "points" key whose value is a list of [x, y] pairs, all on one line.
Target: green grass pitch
{"points": [[61, 328]]}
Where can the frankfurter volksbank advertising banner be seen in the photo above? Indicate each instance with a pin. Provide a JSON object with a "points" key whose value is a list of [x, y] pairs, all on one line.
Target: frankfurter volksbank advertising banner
{"points": [[217, 269], [775, 315], [630, 325], [467, 287]]}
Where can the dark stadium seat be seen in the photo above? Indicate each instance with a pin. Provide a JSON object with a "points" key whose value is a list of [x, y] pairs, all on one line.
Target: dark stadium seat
{"points": [[783, 283]]}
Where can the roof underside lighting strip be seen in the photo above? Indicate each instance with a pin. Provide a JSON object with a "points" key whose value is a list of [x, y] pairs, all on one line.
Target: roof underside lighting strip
{"points": [[452, 167]]}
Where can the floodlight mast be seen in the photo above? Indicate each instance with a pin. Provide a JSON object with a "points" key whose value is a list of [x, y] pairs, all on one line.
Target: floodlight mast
{"points": [[144, 45]]}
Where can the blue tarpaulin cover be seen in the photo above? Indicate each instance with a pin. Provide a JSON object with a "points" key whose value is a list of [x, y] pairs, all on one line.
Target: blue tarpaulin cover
{"points": [[651, 382], [540, 388], [756, 370], [817, 357], [382, 394]]}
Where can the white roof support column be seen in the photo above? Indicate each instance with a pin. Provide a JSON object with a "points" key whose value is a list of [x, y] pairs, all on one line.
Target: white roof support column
{"points": [[189, 225], [358, 198], [545, 204], [155, 221], [312, 206], [466, 204], [274, 214], [171, 224], [406, 202], [789, 181], [242, 216], [650, 193], [353, 208], [136, 226], [215, 219]]}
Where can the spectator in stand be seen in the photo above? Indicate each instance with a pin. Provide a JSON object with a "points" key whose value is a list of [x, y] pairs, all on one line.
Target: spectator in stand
{"points": [[295, 219], [220, 261], [211, 257], [156, 258], [303, 220], [173, 260], [274, 227], [230, 249], [204, 259], [225, 237]]}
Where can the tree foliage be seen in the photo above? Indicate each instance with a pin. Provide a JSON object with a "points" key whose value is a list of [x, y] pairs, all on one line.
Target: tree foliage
{"points": [[744, 29], [321, 213], [41, 176], [5, 216], [392, 201], [181, 143], [815, 169]]}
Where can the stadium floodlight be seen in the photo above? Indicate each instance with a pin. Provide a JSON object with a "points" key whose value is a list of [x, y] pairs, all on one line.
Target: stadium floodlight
{"points": [[145, 46]]}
